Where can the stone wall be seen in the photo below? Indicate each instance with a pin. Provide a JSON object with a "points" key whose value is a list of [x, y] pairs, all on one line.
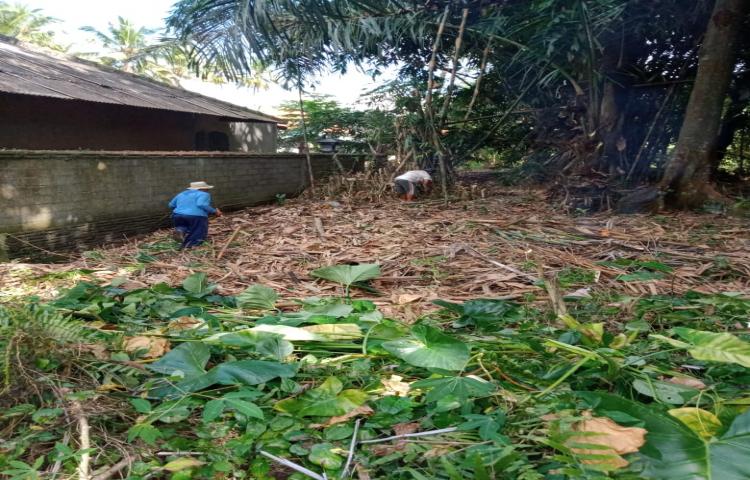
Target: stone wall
{"points": [[64, 200]]}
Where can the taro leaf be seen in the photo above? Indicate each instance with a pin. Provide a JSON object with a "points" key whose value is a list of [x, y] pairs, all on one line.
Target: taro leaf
{"points": [[274, 346], [327, 400], [348, 274], [702, 422], [317, 314], [674, 451], [482, 313], [188, 359], [248, 372], [462, 388], [322, 454], [430, 348], [264, 343], [243, 372], [336, 331], [717, 347], [197, 284], [666, 392], [258, 297], [293, 334]]}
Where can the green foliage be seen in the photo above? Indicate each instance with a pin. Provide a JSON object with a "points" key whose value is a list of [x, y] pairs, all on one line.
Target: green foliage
{"points": [[258, 297], [711, 346], [674, 451], [428, 347], [327, 400], [509, 380], [28, 25]]}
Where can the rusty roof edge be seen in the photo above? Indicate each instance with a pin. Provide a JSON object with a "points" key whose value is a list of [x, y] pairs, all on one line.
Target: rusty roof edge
{"points": [[190, 94]]}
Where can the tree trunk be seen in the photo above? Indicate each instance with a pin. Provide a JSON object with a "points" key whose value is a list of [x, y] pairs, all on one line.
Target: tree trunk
{"points": [[686, 177]]}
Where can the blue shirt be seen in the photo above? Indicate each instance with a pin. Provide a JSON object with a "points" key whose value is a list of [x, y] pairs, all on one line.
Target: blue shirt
{"points": [[192, 202]]}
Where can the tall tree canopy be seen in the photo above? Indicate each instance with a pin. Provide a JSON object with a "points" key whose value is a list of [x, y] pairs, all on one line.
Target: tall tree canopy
{"points": [[593, 88]]}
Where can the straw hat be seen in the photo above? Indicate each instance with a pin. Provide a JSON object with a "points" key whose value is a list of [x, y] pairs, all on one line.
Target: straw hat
{"points": [[199, 186]]}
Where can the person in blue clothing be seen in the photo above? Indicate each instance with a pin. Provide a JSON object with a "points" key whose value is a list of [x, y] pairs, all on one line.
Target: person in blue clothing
{"points": [[190, 211]]}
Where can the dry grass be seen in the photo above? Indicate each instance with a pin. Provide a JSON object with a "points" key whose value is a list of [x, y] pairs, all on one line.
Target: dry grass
{"points": [[480, 247]]}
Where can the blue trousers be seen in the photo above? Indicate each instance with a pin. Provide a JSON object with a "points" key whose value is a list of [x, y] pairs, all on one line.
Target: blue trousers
{"points": [[193, 228]]}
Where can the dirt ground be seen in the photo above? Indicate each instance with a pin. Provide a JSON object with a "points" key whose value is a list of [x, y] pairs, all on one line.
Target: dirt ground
{"points": [[493, 247]]}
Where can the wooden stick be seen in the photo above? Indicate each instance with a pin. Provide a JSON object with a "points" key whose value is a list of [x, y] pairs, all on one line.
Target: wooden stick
{"points": [[352, 445], [410, 435], [109, 472], [293, 466], [84, 472], [318, 223], [226, 245]]}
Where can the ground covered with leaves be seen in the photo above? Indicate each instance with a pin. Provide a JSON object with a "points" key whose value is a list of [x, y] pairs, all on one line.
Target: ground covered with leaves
{"points": [[493, 338]]}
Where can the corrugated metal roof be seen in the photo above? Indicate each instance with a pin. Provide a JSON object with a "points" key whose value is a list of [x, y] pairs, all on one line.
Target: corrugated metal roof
{"points": [[27, 71]]}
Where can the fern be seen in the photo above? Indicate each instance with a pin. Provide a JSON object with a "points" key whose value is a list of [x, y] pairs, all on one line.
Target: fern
{"points": [[32, 331]]}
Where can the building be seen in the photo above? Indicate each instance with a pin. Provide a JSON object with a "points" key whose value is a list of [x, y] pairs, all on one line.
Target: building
{"points": [[61, 103]]}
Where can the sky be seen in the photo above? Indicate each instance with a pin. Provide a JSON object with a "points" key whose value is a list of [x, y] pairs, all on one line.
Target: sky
{"points": [[74, 14]]}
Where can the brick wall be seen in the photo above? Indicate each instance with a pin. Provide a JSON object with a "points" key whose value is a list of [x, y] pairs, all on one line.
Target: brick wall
{"points": [[62, 201]]}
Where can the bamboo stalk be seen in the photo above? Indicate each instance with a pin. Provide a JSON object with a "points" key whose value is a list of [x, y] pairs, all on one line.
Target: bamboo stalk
{"points": [[451, 82], [304, 137], [482, 69], [649, 132], [432, 63], [226, 245], [428, 104]]}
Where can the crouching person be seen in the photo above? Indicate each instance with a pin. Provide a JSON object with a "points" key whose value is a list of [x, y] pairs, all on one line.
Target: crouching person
{"points": [[190, 211], [408, 185]]}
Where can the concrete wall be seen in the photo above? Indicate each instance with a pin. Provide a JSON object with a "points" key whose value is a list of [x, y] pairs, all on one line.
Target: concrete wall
{"points": [[42, 123], [60, 201]]}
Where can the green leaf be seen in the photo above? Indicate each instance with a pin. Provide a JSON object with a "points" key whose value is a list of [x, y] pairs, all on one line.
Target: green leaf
{"points": [[674, 451], [430, 348], [141, 405], [640, 276], [294, 334], [197, 284], [482, 313], [348, 274], [212, 410], [146, 432], [715, 347], [462, 388], [322, 454], [258, 297], [243, 372], [264, 343], [702, 422], [326, 400], [248, 409], [666, 392], [188, 359], [182, 464], [336, 331], [248, 372]]}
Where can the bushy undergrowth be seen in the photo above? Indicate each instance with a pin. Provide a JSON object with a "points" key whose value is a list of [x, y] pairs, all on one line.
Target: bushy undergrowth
{"points": [[185, 383]]}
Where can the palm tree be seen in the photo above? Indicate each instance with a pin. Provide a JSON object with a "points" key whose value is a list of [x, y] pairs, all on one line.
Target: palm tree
{"points": [[28, 25], [131, 49]]}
